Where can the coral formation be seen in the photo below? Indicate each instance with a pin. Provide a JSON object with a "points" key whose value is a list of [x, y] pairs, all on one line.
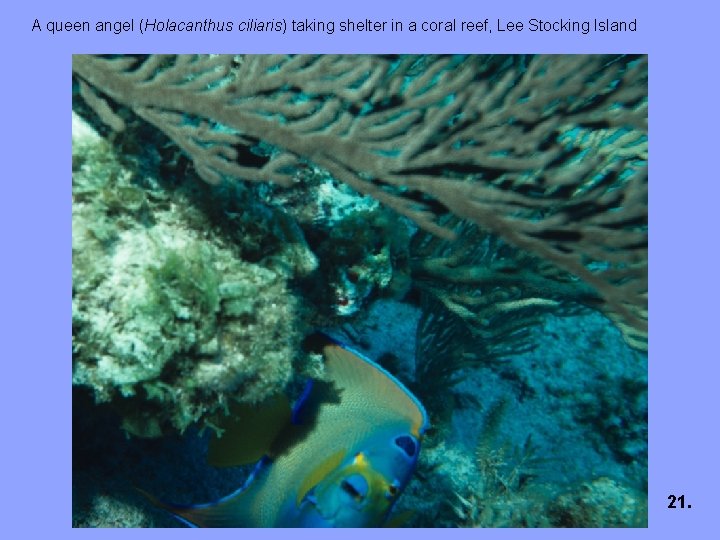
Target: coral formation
{"points": [[600, 503], [169, 322], [509, 143]]}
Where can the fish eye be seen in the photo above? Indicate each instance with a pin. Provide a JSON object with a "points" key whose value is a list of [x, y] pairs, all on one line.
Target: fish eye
{"points": [[392, 491], [356, 486], [407, 444]]}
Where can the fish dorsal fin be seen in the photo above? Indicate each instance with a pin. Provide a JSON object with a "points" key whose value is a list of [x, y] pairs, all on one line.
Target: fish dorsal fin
{"points": [[367, 387], [249, 432], [318, 473]]}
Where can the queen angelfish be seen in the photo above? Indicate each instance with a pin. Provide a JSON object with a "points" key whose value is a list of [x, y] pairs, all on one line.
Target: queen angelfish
{"points": [[339, 458]]}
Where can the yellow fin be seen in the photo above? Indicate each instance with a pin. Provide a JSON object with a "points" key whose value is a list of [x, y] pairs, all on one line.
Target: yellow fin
{"points": [[249, 432], [318, 473]]}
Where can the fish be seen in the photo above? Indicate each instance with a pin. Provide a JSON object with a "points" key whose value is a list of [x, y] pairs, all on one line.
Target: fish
{"points": [[340, 457]]}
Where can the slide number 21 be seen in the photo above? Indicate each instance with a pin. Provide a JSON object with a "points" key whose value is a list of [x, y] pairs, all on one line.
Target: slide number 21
{"points": [[677, 501]]}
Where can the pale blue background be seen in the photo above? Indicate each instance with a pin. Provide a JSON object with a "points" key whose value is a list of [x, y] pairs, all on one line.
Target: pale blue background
{"points": [[35, 208]]}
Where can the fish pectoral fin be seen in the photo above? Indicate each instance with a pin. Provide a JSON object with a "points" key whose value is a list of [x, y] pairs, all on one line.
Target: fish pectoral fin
{"points": [[249, 432], [318, 473]]}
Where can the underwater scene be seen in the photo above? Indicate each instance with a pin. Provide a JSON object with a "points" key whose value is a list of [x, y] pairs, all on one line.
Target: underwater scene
{"points": [[359, 290]]}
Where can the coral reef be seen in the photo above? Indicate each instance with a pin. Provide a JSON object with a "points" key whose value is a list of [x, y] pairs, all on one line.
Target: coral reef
{"points": [[476, 224], [169, 321], [600, 503], [510, 437]]}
